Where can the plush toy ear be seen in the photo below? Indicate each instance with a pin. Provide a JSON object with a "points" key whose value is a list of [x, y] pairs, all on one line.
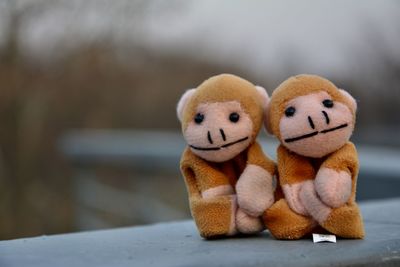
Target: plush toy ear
{"points": [[183, 101], [266, 99], [264, 95], [351, 99]]}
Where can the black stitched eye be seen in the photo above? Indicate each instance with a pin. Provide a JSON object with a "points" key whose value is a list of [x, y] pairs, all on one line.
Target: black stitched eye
{"points": [[198, 118], [327, 103], [234, 117], [289, 112]]}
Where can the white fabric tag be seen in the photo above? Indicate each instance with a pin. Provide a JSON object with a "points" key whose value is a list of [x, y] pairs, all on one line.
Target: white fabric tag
{"points": [[323, 238]]}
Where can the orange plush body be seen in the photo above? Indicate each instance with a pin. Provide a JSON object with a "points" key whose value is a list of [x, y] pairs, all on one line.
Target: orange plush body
{"points": [[317, 164], [228, 177]]}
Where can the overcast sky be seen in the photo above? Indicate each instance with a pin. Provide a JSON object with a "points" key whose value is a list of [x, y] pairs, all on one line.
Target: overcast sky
{"points": [[264, 36]]}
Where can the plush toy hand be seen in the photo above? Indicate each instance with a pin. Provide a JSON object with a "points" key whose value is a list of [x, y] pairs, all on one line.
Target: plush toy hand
{"points": [[221, 190], [255, 190], [314, 206], [247, 224], [334, 188], [291, 192]]}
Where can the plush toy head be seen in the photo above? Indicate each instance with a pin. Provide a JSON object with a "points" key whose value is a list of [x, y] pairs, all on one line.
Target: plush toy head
{"points": [[311, 116], [221, 117]]}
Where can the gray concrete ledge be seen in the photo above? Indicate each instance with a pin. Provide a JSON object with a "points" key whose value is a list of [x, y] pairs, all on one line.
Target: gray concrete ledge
{"points": [[178, 244]]}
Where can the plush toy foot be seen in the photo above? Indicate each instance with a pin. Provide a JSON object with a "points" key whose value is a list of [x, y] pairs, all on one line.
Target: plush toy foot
{"points": [[247, 224], [346, 222], [283, 223], [215, 217]]}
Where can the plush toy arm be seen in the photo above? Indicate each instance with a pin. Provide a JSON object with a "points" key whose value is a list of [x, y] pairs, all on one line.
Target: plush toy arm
{"points": [[213, 209], [255, 188], [312, 203], [333, 187], [334, 182], [215, 216], [294, 172], [209, 181]]}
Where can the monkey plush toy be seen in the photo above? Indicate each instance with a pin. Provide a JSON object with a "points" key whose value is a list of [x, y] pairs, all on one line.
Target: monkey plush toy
{"points": [[228, 177], [317, 164]]}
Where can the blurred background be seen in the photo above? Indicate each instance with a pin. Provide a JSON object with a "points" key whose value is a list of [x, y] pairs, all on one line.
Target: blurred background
{"points": [[88, 133]]}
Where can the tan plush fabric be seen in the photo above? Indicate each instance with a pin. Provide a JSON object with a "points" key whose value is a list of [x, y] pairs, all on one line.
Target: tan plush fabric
{"points": [[345, 221], [300, 85], [284, 223], [215, 215], [298, 172], [225, 88]]}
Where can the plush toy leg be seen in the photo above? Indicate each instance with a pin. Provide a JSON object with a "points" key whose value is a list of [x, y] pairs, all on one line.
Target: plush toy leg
{"points": [[247, 224], [345, 221], [214, 217], [283, 223]]}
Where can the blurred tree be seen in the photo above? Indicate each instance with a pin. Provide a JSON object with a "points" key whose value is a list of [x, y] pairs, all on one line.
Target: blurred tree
{"points": [[26, 198], [90, 88]]}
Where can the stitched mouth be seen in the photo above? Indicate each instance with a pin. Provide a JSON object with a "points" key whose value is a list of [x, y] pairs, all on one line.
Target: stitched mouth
{"points": [[219, 147], [293, 139]]}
